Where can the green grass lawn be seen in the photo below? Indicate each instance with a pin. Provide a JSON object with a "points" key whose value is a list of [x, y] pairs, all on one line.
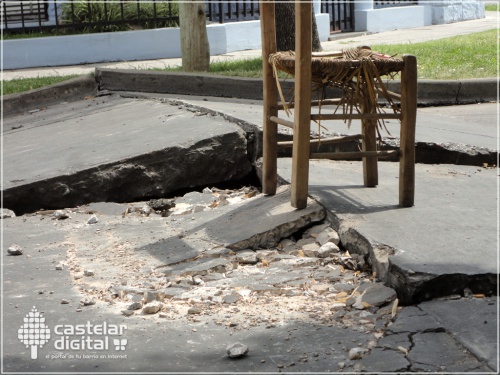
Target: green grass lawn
{"points": [[26, 84], [459, 57], [492, 7]]}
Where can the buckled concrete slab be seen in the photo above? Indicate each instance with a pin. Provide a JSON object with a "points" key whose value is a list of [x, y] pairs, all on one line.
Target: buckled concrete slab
{"points": [[113, 147], [442, 245]]}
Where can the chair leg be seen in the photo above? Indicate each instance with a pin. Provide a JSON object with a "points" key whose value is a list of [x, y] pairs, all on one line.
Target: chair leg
{"points": [[369, 143], [302, 115], [270, 95], [407, 137]]}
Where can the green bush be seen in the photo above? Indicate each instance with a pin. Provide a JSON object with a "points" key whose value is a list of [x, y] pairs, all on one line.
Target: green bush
{"points": [[99, 16]]}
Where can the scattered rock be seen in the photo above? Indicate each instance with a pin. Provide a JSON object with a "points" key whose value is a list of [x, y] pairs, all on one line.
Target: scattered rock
{"points": [[328, 235], [237, 350], [134, 306], [152, 307], [311, 249], [15, 249], [162, 204], [93, 220], [231, 298], [375, 295], [246, 257], [357, 353], [64, 301], [198, 280], [146, 210], [88, 301], [150, 296], [88, 273], [127, 312], [60, 215], [59, 267], [327, 250], [194, 311], [315, 230], [5, 213]]}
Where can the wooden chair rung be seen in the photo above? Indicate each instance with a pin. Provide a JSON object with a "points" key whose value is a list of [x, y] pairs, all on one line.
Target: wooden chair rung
{"points": [[280, 121], [392, 94], [357, 116], [355, 155], [324, 141]]}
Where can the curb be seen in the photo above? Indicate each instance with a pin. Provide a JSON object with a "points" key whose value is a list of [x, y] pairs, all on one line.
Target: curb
{"points": [[430, 92], [70, 90]]}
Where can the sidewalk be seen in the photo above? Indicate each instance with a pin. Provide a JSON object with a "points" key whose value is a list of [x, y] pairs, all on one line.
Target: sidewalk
{"points": [[342, 41]]}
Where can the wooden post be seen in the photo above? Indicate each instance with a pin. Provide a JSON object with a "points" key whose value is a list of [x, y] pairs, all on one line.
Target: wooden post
{"points": [[369, 143], [270, 95], [302, 115], [195, 49], [407, 137]]}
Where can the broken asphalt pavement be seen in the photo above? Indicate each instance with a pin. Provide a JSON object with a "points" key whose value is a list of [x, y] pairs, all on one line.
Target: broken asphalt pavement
{"points": [[112, 148]]}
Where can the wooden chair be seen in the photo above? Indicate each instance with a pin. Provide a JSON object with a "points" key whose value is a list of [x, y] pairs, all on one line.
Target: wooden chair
{"points": [[302, 115]]}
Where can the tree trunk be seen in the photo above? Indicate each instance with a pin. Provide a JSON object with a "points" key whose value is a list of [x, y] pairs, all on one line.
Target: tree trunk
{"points": [[285, 27], [194, 40]]}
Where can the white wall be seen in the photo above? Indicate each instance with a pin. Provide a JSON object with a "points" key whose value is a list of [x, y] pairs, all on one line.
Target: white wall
{"points": [[391, 18], [427, 12], [132, 45]]}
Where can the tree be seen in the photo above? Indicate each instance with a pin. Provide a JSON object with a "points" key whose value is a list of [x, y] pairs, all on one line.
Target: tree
{"points": [[194, 40], [285, 27]]}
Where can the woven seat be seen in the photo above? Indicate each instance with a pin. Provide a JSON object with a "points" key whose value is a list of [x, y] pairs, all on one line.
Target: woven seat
{"points": [[337, 71]]}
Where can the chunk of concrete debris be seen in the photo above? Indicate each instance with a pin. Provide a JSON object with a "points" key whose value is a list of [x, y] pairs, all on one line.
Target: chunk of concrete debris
{"points": [[88, 301], [231, 298], [93, 220], [162, 204], [328, 235], [315, 230], [357, 353], [246, 257], [134, 306], [5, 213], [152, 307], [127, 312], [237, 350], [88, 273], [60, 215], [194, 311], [375, 295], [15, 249], [150, 296], [327, 250], [146, 210], [311, 249], [182, 209]]}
